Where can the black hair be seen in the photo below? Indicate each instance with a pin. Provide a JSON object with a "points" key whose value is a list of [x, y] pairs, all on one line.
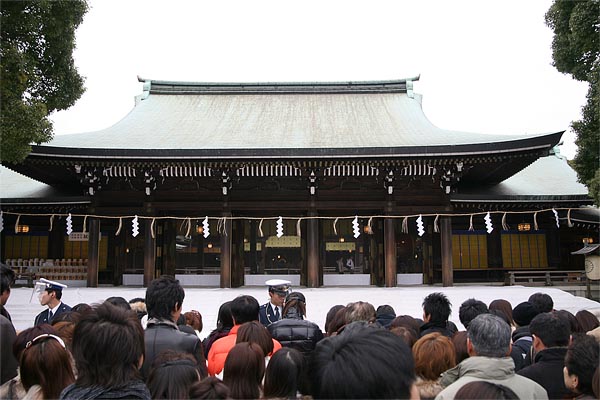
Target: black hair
{"points": [[542, 302], [286, 375], [582, 359], [552, 329], [209, 388], [244, 309], [482, 390], [162, 296], [469, 309], [119, 302], [172, 374], [108, 343], [7, 278], [438, 307], [58, 292], [363, 362], [224, 321]]}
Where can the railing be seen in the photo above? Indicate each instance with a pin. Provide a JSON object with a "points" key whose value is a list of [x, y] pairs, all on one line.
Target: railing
{"points": [[57, 269], [546, 277]]}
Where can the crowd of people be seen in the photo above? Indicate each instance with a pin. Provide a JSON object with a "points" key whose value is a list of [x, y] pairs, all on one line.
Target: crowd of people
{"points": [[148, 348]]}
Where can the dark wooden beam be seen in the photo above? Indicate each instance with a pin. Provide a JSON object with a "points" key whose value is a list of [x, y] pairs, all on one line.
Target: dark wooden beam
{"points": [[93, 252]]}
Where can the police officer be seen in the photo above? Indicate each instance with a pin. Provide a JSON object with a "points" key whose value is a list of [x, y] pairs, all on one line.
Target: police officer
{"points": [[50, 293], [273, 310]]}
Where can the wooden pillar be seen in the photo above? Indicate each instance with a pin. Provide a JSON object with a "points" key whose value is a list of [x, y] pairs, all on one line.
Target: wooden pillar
{"points": [[312, 242], [446, 239], [149, 253], [237, 268], [253, 252], [93, 252], [226, 253], [390, 252]]}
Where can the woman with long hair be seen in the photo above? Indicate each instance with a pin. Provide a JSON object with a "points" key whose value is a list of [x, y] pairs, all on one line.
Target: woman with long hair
{"points": [[286, 375], [224, 325], [244, 370]]}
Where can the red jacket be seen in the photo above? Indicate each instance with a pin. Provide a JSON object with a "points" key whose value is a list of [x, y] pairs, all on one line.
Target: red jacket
{"points": [[219, 350]]}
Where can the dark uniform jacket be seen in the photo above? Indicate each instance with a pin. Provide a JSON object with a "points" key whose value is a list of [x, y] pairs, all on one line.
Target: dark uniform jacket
{"points": [[296, 333], [266, 314], [164, 335], [42, 318], [547, 370]]}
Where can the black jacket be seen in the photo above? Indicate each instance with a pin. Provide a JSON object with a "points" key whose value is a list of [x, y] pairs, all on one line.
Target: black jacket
{"points": [[42, 318], [163, 335], [521, 347], [547, 370], [431, 327], [296, 333]]}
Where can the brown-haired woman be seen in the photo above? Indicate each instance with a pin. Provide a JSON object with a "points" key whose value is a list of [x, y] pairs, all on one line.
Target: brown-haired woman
{"points": [[244, 370], [434, 353]]}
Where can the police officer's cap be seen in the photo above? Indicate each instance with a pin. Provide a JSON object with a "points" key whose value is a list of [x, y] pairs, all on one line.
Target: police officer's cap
{"points": [[279, 286], [46, 284]]}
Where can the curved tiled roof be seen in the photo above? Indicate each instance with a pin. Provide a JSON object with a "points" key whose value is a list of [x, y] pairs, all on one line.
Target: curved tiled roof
{"points": [[285, 116]]}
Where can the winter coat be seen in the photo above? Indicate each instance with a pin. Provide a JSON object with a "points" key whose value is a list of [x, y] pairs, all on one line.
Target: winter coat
{"points": [[521, 347], [547, 370], [490, 369], [428, 389], [134, 390], [299, 334]]}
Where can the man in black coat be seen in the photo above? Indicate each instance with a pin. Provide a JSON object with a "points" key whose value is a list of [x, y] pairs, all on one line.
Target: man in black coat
{"points": [[551, 335], [164, 299], [50, 293], [293, 330]]}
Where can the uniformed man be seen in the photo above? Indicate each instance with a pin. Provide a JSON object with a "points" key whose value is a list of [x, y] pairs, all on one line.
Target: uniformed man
{"points": [[50, 293], [273, 310]]}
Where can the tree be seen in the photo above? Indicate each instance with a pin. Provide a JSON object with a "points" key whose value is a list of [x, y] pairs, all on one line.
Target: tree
{"points": [[576, 51], [38, 71]]}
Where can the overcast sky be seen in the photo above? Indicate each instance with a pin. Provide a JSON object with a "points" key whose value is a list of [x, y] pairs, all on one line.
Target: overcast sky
{"points": [[484, 66]]}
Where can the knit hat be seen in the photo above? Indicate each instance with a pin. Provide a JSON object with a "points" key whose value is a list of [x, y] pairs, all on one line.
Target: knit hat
{"points": [[524, 313]]}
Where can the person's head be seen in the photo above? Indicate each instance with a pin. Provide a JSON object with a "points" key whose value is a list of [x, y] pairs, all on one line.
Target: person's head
{"points": [[433, 354], [469, 309], [542, 302], [45, 361], [459, 340], [119, 302], [286, 374], [360, 311], [7, 279], [108, 346], [581, 361], [503, 306], [385, 309], [549, 330], [244, 370], [278, 290], [573, 323], [164, 298], [65, 330], [81, 308], [337, 322], [194, 319], [50, 293], [488, 336], [209, 388], [28, 335], [330, 315], [587, 320], [407, 321], [244, 308], [363, 363], [294, 306], [482, 390], [172, 374], [408, 335], [255, 332], [224, 318], [436, 308], [138, 305], [523, 313]]}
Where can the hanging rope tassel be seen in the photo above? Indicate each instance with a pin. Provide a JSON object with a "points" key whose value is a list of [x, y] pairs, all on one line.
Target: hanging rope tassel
{"points": [[505, 226], [120, 226], [17, 224], [189, 227], [84, 223], [298, 230], [51, 222], [260, 232], [569, 223], [370, 226], [535, 224], [334, 227], [405, 225], [471, 223], [152, 228], [436, 227]]}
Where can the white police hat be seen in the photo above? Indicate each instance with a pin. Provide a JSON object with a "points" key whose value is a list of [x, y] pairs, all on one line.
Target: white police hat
{"points": [[46, 284], [279, 285]]}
